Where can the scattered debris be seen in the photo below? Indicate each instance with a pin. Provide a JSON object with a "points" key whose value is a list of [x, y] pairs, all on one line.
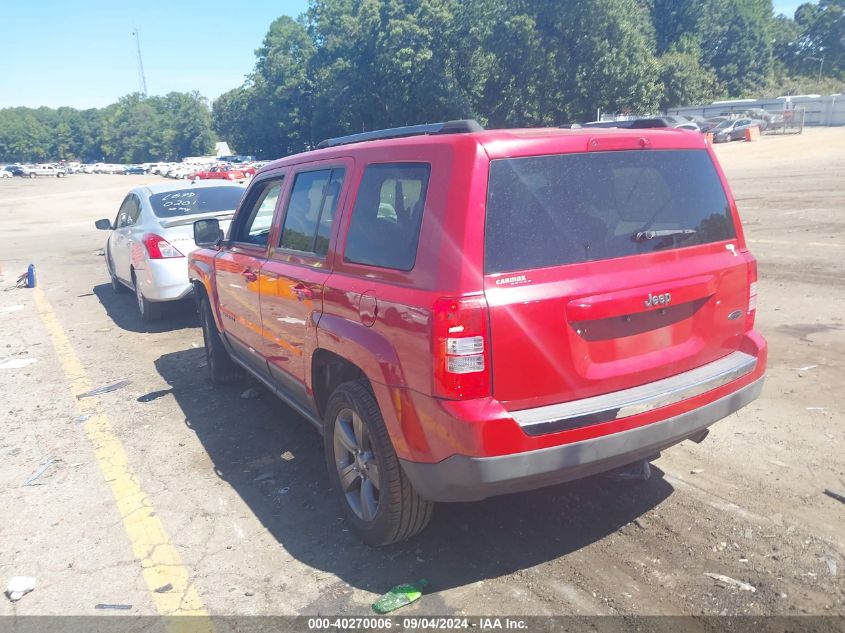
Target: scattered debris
{"points": [[118, 607], [164, 588], [103, 330], [17, 363], [120, 384], [287, 456], [82, 418], [731, 582], [264, 476], [19, 586], [696, 471], [805, 368], [749, 533], [640, 523], [400, 596], [195, 345], [831, 564], [284, 491], [14, 308], [816, 408], [41, 470], [839, 496], [250, 394], [87, 294]]}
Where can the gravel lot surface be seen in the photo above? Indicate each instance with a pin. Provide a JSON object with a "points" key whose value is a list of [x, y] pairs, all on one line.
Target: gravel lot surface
{"points": [[239, 489]]}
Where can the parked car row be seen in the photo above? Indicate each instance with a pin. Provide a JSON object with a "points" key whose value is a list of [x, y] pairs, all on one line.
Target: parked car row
{"points": [[465, 313], [218, 170], [640, 122], [33, 171], [238, 170], [734, 129]]}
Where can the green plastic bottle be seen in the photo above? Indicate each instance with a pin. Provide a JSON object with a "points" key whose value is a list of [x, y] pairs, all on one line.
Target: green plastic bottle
{"points": [[399, 596]]}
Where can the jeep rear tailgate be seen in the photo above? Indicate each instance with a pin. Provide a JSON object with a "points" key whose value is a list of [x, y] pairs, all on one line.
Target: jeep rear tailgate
{"points": [[608, 270]]}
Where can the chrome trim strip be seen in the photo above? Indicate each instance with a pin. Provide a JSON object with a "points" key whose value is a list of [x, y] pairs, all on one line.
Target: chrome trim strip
{"points": [[628, 402]]}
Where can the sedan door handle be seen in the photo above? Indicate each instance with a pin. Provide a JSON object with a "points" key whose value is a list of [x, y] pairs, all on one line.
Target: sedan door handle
{"points": [[249, 275], [302, 291]]}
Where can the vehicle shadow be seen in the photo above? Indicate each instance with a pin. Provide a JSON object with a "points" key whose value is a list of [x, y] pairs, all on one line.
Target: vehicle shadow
{"points": [[121, 308], [273, 459]]}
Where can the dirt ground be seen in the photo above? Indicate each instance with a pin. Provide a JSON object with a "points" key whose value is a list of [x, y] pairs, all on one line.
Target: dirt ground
{"points": [[239, 488]]}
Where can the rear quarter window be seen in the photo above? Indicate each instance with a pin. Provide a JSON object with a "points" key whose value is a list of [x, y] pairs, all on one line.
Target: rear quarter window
{"points": [[570, 208], [385, 226]]}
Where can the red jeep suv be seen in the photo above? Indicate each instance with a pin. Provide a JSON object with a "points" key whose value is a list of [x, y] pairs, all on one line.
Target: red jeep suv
{"points": [[466, 313]]}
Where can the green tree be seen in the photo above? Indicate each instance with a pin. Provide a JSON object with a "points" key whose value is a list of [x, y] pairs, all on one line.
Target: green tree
{"points": [[822, 35], [683, 77], [736, 42]]}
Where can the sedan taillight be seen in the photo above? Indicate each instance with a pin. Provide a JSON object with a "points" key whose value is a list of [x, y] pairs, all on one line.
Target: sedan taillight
{"points": [[159, 248]]}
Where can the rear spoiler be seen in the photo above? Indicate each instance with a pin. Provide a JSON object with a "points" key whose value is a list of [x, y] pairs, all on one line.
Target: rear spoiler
{"points": [[190, 219]]}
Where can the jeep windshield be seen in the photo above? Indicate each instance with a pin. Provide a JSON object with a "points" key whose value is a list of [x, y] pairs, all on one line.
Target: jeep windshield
{"points": [[569, 208]]}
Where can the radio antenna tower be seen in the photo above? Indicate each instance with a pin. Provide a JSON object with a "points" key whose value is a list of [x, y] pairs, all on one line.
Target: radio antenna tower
{"points": [[142, 80]]}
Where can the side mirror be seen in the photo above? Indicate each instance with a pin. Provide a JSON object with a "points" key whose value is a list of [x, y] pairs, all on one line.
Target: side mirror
{"points": [[207, 233], [103, 225]]}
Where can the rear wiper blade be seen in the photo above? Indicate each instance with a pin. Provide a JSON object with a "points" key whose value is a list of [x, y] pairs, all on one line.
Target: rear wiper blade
{"points": [[642, 236]]}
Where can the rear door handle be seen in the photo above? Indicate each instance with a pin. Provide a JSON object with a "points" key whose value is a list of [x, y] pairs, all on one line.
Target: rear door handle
{"points": [[302, 291], [249, 274]]}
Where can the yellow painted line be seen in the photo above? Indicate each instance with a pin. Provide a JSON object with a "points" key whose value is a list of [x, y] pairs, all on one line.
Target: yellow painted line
{"points": [[796, 243], [159, 558]]}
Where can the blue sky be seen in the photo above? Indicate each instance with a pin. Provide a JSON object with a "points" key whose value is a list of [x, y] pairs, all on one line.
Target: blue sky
{"points": [[82, 54]]}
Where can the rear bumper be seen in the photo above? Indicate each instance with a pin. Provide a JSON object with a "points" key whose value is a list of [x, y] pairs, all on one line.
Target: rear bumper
{"points": [[465, 478], [165, 279]]}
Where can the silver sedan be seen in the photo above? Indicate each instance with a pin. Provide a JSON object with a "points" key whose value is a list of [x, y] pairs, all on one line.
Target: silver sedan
{"points": [[152, 235]]}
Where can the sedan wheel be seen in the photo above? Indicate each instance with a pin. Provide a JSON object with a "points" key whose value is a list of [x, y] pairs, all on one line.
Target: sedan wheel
{"points": [[150, 311]]}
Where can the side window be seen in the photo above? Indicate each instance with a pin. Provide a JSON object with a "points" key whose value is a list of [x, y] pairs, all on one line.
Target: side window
{"points": [[386, 219], [259, 209], [310, 211], [127, 214], [134, 208]]}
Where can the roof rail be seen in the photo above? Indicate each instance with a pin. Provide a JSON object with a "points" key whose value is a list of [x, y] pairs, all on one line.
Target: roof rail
{"points": [[448, 127]]}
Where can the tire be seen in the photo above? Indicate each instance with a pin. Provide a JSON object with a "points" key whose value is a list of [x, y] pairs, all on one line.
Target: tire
{"points": [[221, 368], [60, 175], [32, 174], [116, 285], [379, 501], [150, 311]]}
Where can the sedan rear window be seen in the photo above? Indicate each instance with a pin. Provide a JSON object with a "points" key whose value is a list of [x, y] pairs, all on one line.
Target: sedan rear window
{"points": [[174, 204], [570, 208]]}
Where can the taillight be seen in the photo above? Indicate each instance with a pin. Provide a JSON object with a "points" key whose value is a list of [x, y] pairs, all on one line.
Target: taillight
{"points": [[160, 248], [461, 348], [752, 291]]}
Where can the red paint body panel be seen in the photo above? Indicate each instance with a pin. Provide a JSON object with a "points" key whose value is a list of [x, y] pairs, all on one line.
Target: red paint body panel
{"points": [[560, 334]]}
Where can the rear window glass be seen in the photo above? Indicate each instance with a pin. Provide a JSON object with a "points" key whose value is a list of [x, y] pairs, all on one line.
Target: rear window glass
{"points": [[385, 226], [569, 208], [192, 201]]}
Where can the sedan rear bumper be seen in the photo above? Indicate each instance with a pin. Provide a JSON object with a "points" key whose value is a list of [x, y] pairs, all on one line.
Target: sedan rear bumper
{"points": [[464, 478], [165, 279]]}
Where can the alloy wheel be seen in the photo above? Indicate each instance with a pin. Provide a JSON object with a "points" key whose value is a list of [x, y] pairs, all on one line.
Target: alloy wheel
{"points": [[356, 464]]}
